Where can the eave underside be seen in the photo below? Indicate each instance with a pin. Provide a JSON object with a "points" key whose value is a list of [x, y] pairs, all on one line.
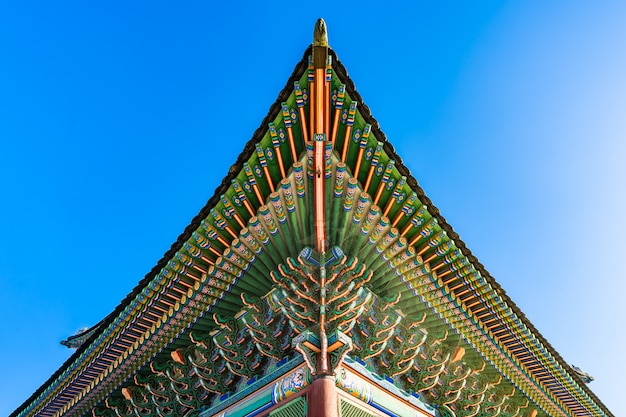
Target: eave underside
{"points": [[378, 215]]}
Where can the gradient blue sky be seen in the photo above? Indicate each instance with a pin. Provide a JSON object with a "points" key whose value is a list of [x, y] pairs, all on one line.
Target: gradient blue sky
{"points": [[119, 119]]}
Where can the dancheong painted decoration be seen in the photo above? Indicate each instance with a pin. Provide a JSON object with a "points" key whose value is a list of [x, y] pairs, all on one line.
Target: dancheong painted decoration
{"points": [[319, 280]]}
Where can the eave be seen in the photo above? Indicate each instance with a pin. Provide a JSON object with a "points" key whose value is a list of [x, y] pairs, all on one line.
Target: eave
{"points": [[151, 320]]}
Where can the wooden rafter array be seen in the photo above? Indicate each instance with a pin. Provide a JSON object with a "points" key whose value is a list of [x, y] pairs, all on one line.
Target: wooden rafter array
{"points": [[435, 364]]}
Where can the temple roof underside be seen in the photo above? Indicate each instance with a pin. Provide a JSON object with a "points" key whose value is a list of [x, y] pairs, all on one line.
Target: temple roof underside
{"points": [[318, 231]]}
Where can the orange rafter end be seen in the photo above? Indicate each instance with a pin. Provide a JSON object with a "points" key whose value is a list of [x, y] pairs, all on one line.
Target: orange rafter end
{"points": [[326, 106], [430, 258], [320, 74], [390, 204], [333, 137], [230, 232], [292, 147], [248, 207], [305, 133], [406, 229], [127, 394], [311, 110], [258, 194], [239, 221], [415, 239], [357, 167], [379, 192], [346, 141], [222, 241], [397, 219], [444, 273], [279, 157], [268, 178], [424, 249], [369, 178], [177, 357], [458, 354]]}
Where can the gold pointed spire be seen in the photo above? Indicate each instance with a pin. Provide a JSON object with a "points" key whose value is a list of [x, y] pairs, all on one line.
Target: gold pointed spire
{"points": [[320, 35], [320, 44]]}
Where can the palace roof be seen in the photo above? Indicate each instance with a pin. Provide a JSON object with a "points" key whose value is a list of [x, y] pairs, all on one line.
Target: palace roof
{"points": [[444, 328]]}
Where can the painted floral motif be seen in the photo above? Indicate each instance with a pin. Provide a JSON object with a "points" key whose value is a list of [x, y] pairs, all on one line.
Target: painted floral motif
{"points": [[294, 115], [379, 170], [247, 187], [353, 386], [344, 116], [282, 135], [291, 384], [257, 170]]}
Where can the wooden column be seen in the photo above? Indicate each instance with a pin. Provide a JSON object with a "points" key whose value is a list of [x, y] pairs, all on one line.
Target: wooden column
{"points": [[323, 400]]}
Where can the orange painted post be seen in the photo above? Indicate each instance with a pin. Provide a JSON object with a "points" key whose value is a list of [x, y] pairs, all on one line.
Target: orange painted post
{"points": [[300, 103], [348, 134], [320, 59], [287, 120], [311, 78], [319, 100], [327, 80], [323, 400]]}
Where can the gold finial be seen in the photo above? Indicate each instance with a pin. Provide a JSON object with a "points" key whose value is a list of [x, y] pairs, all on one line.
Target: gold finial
{"points": [[320, 44], [320, 36]]}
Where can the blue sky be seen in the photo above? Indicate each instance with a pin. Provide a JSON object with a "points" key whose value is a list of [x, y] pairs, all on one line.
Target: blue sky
{"points": [[118, 120]]}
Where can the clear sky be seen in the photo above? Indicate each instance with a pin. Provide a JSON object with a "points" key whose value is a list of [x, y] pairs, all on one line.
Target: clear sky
{"points": [[119, 120]]}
